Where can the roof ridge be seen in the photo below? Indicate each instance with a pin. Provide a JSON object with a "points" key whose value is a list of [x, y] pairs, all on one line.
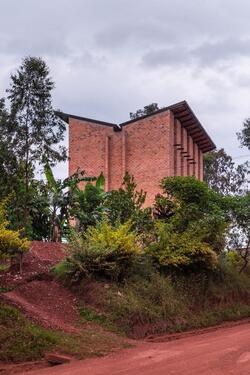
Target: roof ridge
{"points": [[182, 112]]}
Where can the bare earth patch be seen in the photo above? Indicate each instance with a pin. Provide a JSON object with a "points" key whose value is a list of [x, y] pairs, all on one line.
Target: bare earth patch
{"points": [[47, 303], [39, 260]]}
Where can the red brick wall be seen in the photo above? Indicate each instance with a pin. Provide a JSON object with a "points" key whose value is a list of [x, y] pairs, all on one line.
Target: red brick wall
{"points": [[87, 146], [149, 149], [149, 152]]}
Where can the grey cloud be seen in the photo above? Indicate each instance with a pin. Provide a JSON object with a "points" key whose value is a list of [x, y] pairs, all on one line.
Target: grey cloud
{"points": [[207, 54], [167, 56], [106, 57], [23, 45], [227, 49], [141, 34]]}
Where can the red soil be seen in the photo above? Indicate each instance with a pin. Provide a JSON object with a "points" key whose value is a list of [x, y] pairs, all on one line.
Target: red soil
{"points": [[36, 294], [46, 302], [221, 352], [39, 260]]}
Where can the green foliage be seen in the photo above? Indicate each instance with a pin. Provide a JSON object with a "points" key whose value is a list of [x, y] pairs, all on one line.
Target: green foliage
{"points": [[244, 134], [36, 130], [62, 197], [102, 251], [11, 242], [222, 175], [141, 303], [8, 160], [88, 206], [147, 110], [20, 340], [91, 315], [126, 204], [197, 209], [239, 234], [164, 208], [182, 251], [161, 304]]}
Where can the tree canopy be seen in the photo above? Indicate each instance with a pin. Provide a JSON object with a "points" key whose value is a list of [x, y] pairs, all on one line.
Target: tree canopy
{"points": [[223, 175], [147, 110]]}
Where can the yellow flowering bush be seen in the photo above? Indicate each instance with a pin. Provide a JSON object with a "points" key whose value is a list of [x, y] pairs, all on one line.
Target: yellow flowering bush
{"points": [[11, 242], [102, 251], [180, 250]]}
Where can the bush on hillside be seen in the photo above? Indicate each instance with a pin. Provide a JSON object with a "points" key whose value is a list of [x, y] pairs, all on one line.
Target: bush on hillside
{"points": [[12, 245], [182, 251], [159, 303], [103, 251], [197, 209]]}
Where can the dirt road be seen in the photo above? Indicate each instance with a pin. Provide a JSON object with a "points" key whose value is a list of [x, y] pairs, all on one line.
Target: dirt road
{"points": [[222, 352]]}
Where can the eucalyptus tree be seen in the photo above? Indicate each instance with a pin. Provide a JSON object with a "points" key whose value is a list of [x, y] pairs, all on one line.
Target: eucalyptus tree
{"points": [[223, 175], [37, 130], [244, 134], [8, 161]]}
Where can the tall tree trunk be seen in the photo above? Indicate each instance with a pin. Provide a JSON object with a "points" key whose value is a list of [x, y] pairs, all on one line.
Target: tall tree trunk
{"points": [[26, 167]]}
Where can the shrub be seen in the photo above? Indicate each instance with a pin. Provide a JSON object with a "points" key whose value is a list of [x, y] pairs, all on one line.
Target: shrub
{"points": [[11, 243], [126, 204], [102, 251], [172, 250], [197, 209]]}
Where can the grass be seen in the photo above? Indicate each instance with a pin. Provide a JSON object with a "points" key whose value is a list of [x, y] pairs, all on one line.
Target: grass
{"points": [[91, 315], [5, 289], [4, 267], [209, 318], [20, 340], [159, 304]]}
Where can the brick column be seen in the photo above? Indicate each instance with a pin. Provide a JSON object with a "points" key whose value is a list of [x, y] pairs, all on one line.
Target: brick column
{"points": [[124, 152], [106, 163], [196, 160], [200, 165], [172, 155], [190, 157], [178, 148], [184, 151]]}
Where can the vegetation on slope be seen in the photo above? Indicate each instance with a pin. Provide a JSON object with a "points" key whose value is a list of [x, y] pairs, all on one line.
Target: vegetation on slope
{"points": [[21, 340]]}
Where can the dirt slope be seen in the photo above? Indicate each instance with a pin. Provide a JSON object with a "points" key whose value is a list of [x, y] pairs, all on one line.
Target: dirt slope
{"points": [[47, 303], [42, 299], [39, 260]]}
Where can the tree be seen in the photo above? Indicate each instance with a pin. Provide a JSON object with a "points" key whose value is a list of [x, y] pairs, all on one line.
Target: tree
{"points": [[147, 110], [244, 134], [239, 235], [8, 161], [62, 200], [126, 204], [88, 204], [39, 211], [198, 210], [37, 131], [222, 175]]}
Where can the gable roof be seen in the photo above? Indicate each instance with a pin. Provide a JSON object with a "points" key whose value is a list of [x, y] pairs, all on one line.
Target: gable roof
{"points": [[189, 121], [181, 111], [65, 117]]}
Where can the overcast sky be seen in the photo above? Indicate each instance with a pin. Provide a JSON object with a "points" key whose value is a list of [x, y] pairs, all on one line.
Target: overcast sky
{"points": [[110, 57]]}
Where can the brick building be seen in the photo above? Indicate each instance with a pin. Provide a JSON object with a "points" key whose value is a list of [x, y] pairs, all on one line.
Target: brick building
{"points": [[169, 142]]}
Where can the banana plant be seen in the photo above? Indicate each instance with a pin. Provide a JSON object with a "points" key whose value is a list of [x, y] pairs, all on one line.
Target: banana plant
{"points": [[62, 195], [88, 206]]}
